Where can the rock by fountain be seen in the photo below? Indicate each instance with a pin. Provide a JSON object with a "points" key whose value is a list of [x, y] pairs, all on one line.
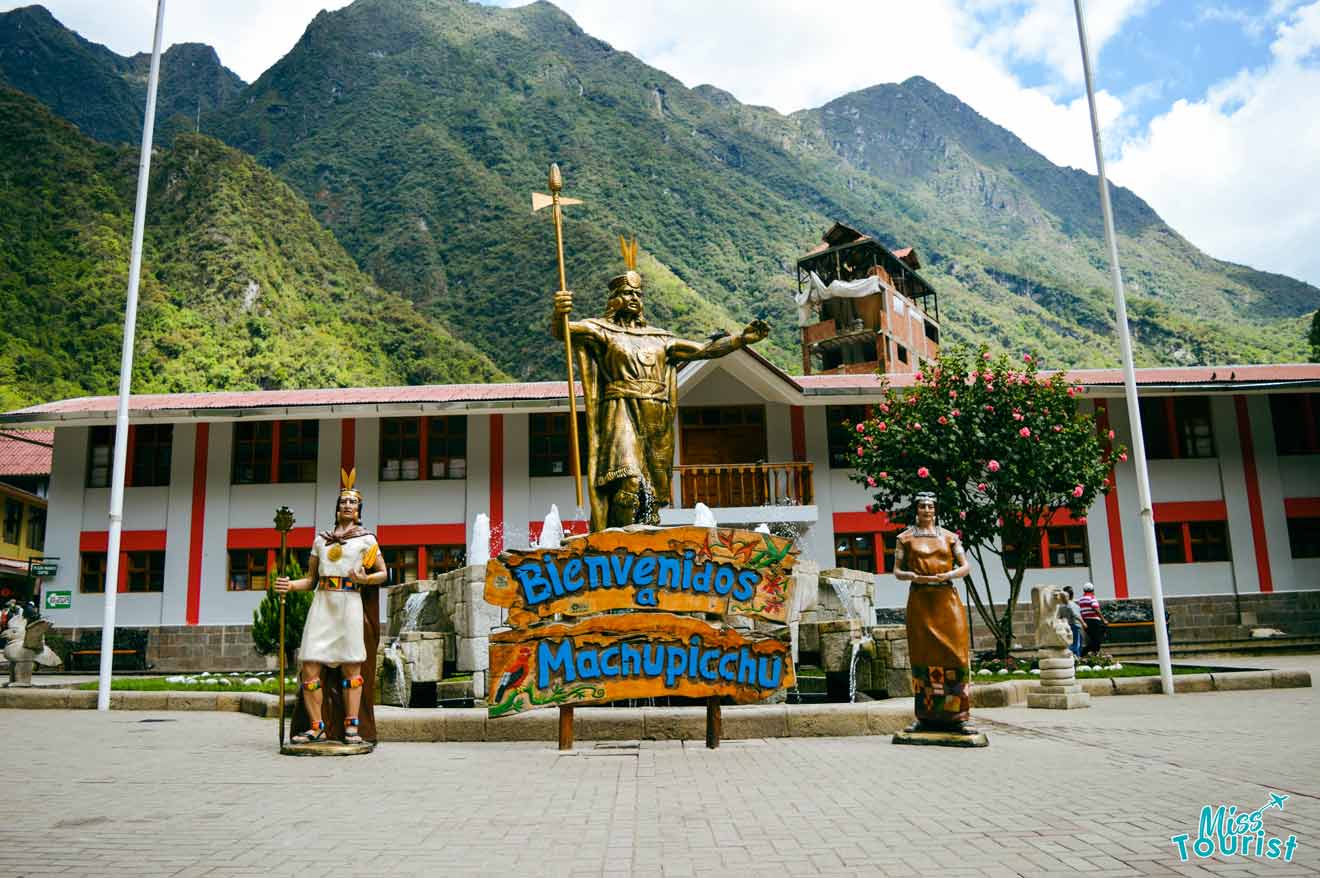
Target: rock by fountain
{"points": [[552, 531], [703, 517], [479, 548]]}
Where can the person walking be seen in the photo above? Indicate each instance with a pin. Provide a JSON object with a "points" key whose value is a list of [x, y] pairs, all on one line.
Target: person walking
{"points": [[1072, 614], [1093, 619]]}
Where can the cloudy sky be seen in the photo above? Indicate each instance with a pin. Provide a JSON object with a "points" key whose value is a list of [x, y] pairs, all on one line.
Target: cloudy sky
{"points": [[1210, 108]]}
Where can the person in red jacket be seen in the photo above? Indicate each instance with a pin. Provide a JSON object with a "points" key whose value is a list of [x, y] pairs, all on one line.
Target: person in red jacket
{"points": [[1092, 618]]}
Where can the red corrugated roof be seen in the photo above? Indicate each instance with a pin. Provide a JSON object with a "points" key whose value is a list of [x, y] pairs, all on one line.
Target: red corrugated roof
{"points": [[186, 403], [1190, 375], [428, 393], [25, 452]]}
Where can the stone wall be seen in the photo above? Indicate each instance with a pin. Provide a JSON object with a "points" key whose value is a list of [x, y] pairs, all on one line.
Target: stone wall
{"points": [[191, 648]]}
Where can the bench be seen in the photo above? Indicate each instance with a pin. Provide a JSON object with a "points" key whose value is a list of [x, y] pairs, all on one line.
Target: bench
{"points": [[1130, 621], [129, 653]]}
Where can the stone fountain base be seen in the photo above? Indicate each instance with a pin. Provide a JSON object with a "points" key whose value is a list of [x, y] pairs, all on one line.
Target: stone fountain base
{"points": [[1059, 689]]}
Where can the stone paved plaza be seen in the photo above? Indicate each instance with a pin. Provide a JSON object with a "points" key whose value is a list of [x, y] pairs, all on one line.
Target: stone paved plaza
{"points": [[1097, 792]]}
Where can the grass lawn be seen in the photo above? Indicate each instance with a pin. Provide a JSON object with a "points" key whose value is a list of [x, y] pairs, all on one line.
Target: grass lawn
{"points": [[194, 683], [1125, 671]]}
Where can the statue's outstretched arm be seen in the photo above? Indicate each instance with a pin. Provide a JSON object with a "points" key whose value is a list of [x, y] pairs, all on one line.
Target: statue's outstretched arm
{"points": [[682, 350]]}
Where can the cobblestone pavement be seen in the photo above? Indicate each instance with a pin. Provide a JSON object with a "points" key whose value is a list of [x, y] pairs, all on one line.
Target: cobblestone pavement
{"points": [[1097, 792]]}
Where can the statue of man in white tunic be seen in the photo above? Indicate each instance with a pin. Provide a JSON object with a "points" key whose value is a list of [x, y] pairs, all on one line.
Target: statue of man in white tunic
{"points": [[344, 561]]}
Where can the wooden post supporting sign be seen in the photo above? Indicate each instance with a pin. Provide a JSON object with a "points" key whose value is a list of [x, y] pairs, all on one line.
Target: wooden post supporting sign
{"points": [[565, 728], [714, 723]]}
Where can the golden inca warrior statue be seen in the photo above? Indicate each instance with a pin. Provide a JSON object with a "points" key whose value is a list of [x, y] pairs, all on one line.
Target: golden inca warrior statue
{"points": [[629, 373]]}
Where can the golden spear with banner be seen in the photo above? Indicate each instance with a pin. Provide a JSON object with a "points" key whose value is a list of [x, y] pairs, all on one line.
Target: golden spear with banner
{"points": [[283, 524], [556, 203]]}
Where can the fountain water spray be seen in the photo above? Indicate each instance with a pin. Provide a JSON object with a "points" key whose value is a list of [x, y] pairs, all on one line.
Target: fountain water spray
{"points": [[763, 528], [552, 531], [479, 549], [857, 647], [412, 611], [702, 516]]}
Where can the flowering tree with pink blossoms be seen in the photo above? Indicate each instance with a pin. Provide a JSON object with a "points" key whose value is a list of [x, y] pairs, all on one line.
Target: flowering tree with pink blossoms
{"points": [[1003, 448]]}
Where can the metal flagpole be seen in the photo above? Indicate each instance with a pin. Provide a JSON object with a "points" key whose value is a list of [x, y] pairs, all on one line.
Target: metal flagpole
{"points": [[126, 377], [1129, 379]]}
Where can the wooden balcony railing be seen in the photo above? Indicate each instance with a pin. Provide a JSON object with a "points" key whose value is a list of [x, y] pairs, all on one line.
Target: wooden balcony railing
{"points": [[745, 484]]}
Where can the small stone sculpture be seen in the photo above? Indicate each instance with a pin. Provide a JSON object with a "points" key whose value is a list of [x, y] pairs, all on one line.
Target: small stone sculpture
{"points": [[1052, 631], [25, 645], [1059, 688]]}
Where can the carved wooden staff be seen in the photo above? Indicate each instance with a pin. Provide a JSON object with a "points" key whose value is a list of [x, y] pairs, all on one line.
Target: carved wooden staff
{"points": [[283, 524], [556, 203]]}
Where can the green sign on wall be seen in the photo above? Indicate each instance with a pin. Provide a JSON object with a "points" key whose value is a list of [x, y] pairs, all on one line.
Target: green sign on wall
{"points": [[59, 600], [44, 568]]}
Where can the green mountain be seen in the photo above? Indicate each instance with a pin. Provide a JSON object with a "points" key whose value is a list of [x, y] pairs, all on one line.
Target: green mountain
{"points": [[417, 129], [104, 93], [241, 287]]}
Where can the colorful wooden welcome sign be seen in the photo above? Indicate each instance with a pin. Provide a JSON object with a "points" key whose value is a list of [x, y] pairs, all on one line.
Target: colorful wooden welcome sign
{"points": [[640, 613]]}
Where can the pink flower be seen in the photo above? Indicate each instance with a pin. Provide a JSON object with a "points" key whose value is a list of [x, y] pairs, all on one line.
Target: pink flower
{"points": [[962, 514], [943, 420], [993, 466], [884, 408], [1024, 432], [923, 473], [989, 407], [918, 376], [955, 413], [1111, 434], [1081, 520], [870, 482], [999, 522], [882, 426], [1058, 428], [1079, 389], [884, 475], [1077, 491], [1017, 416], [953, 394], [985, 356], [859, 451], [1026, 358], [916, 425], [861, 428], [981, 487], [1123, 456]]}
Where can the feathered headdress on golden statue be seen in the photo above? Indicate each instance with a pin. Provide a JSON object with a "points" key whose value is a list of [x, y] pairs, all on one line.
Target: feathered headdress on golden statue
{"points": [[630, 279]]}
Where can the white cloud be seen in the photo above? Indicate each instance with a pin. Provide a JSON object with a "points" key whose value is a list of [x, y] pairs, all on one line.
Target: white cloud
{"points": [[249, 35], [1236, 172]]}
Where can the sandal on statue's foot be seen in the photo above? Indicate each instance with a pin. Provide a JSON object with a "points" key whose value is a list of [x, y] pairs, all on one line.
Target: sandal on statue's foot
{"points": [[314, 735], [351, 735]]}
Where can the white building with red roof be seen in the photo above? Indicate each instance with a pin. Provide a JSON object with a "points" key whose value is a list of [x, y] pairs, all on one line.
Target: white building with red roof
{"points": [[1235, 471]]}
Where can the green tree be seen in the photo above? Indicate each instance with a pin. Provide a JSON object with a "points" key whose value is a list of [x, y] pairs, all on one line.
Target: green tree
{"points": [[266, 619], [1313, 337], [1002, 448]]}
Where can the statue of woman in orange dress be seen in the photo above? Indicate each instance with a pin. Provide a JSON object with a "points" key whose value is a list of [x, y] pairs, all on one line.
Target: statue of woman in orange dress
{"points": [[932, 558]]}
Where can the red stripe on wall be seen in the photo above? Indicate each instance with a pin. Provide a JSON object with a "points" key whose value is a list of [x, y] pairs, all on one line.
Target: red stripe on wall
{"points": [[798, 426], [420, 534], [1253, 495], [1113, 519], [129, 541], [197, 520], [863, 522], [1191, 510], [1302, 507], [348, 444], [496, 484], [266, 537]]}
